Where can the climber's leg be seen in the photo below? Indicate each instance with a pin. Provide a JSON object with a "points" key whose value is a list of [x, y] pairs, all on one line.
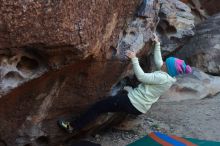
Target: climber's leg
{"points": [[118, 103]]}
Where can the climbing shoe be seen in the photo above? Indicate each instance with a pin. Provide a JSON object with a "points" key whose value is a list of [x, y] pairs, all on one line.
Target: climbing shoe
{"points": [[65, 125]]}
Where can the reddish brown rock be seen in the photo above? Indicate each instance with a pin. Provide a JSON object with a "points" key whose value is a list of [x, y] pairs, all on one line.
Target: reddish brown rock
{"points": [[59, 57], [211, 6], [202, 9]]}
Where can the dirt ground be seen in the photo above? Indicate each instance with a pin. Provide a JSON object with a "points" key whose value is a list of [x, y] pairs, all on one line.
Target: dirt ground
{"points": [[189, 118]]}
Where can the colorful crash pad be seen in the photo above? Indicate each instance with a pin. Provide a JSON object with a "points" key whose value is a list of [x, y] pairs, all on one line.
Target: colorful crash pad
{"points": [[160, 139]]}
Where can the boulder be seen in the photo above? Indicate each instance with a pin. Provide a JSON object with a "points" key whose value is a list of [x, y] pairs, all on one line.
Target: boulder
{"points": [[197, 85], [59, 57], [203, 49], [175, 26]]}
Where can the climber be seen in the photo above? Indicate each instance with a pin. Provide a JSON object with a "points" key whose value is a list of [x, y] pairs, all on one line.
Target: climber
{"points": [[138, 100]]}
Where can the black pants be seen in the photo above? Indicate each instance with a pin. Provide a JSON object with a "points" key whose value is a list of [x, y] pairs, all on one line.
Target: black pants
{"points": [[118, 103]]}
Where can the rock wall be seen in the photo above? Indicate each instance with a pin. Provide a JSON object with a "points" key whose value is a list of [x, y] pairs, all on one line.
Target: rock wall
{"points": [[69, 41], [58, 57], [175, 26], [202, 51]]}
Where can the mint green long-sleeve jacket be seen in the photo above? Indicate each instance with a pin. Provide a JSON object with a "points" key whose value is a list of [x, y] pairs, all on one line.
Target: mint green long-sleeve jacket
{"points": [[152, 85]]}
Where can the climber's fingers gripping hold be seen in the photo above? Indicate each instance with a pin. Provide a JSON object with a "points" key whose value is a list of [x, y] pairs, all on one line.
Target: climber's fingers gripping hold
{"points": [[155, 38], [130, 54]]}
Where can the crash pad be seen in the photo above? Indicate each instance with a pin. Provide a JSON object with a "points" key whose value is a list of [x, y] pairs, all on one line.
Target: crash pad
{"points": [[160, 139]]}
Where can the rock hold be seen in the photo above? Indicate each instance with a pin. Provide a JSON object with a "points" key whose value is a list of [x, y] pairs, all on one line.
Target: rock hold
{"points": [[140, 30], [148, 8]]}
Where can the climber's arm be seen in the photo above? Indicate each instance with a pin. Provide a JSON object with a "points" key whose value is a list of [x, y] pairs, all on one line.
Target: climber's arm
{"points": [[143, 77], [157, 53]]}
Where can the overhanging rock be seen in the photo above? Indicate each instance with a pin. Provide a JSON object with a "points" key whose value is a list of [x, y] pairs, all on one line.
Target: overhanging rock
{"points": [[63, 55]]}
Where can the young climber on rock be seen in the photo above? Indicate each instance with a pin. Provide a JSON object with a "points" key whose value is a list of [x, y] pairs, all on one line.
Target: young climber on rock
{"points": [[138, 100]]}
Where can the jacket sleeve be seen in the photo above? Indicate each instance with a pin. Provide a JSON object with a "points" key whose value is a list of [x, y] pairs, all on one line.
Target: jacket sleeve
{"points": [[157, 56], [150, 78]]}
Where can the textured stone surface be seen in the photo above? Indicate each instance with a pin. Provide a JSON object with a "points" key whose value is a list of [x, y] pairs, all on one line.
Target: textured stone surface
{"points": [[58, 57], [176, 24], [204, 48], [211, 6], [197, 85], [204, 7], [18, 66]]}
